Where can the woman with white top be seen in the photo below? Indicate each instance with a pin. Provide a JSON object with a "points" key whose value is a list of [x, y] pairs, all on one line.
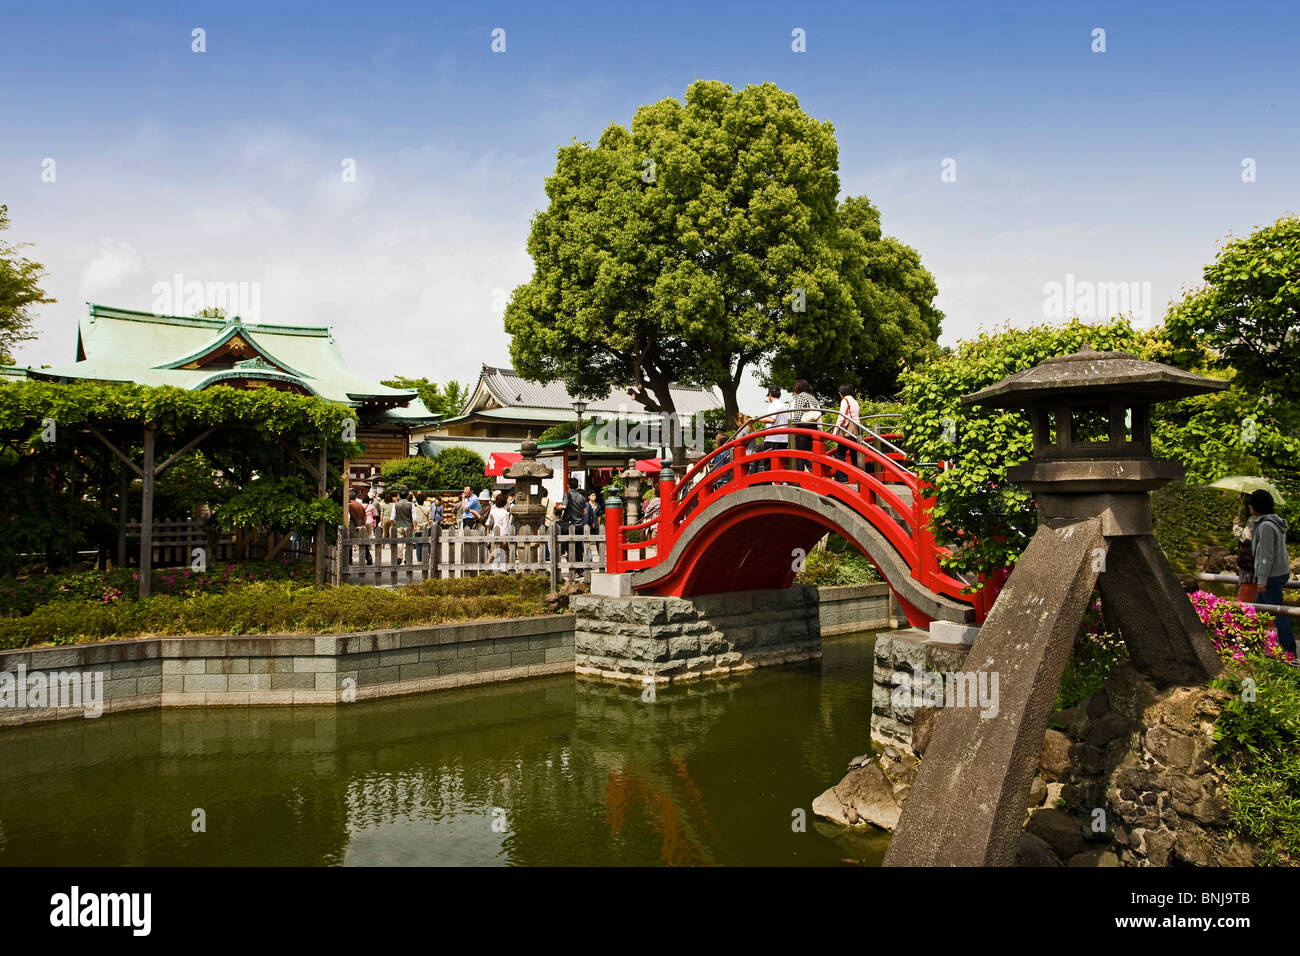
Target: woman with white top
{"points": [[499, 524], [848, 424]]}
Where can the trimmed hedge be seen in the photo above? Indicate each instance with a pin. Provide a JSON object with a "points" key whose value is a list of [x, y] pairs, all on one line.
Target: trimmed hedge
{"points": [[280, 607], [1190, 519]]}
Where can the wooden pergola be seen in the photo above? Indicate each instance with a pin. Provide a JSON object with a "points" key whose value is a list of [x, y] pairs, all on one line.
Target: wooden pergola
{"points": [[148, 471]]}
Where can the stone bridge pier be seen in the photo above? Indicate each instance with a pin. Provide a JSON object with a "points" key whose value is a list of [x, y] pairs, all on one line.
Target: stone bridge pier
{"points": [[658, 639]]}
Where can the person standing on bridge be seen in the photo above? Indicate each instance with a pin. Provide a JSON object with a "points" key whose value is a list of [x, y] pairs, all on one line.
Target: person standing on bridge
{"points": [[849, 425], [806, 413], [778, 416]]}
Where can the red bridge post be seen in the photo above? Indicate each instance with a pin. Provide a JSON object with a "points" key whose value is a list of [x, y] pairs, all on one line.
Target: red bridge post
{"points": [[667, 511], [614, 537]]}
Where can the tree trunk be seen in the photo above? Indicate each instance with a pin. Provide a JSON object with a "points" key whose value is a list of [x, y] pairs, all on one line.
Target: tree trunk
{"points": [[659, 387], [730, 404]]}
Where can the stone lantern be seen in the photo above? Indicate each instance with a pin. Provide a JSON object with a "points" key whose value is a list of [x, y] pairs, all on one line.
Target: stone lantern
{"points": [[631, 493], [1091, 472], [528, 474]]}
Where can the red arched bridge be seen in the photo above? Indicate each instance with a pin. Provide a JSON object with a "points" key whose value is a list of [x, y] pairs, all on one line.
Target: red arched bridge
{"points": [[742, 517]]}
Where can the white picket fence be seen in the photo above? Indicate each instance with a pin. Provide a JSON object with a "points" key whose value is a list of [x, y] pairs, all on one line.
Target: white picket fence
{"points": [[457, 553]]}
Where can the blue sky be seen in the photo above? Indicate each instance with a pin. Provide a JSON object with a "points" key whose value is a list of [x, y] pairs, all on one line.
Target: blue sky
{"points": [[225, 166]]}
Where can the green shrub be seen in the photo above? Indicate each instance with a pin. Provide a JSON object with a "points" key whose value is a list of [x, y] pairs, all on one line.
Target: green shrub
{"points": [[1256, 736], [415, 474], [279, 606], [458, 467], [836, 568], [559, 431], [1190, 519], [19, 596]]}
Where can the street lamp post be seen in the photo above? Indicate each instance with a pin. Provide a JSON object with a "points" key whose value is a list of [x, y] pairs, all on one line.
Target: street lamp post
{"points": [[580, 407]]}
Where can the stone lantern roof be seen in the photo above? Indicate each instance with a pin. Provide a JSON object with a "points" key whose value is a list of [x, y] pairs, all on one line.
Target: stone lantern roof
{"points": [[1089, 371], [528, 466]]}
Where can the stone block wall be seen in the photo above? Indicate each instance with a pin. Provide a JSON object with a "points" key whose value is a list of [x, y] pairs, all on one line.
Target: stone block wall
{"points": [[901, 658], [665, 638], [844, 610], [288, 669], [662, 637]]}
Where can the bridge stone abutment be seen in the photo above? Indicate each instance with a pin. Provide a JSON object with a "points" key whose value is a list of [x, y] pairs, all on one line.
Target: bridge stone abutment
{"points": [[664, 639]]}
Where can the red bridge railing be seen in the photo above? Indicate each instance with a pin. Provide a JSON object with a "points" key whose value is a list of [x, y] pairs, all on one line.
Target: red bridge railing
{"points": [[863, 483]]}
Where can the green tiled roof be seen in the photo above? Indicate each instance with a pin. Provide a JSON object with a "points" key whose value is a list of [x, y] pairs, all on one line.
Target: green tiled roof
{"points": [[121, 345], [590, 445]]}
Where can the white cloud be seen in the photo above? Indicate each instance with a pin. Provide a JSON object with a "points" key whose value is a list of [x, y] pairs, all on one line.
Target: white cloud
{"points": [[115, 263]]}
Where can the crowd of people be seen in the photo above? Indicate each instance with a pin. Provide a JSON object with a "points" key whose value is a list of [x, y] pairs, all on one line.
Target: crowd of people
{"points": [[389, 514], [804, 415], [413, 515]]}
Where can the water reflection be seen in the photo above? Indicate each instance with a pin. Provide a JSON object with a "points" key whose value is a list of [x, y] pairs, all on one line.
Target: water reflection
{"points": [[549, 771]]}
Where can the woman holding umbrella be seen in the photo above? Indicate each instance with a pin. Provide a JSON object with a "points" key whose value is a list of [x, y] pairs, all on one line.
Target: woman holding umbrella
{"points": [[1243, 528], [1272, 563]]}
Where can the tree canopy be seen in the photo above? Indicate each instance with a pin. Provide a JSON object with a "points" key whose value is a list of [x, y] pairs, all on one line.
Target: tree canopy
{"points": [[64, 483], [897, 325], [989, 519], [20, 291], [704, 241], [1247, 312], [446, 401]]}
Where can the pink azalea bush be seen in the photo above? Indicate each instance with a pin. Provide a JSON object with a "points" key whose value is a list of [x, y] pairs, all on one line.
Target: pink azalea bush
{"points": [[1238, 629]]}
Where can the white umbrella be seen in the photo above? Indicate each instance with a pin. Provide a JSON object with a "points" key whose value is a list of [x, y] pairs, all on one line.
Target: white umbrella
{"points": [[1245, 484]]}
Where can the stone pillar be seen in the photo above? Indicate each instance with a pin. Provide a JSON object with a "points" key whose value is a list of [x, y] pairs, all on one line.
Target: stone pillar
{"points": [[663, 639]]}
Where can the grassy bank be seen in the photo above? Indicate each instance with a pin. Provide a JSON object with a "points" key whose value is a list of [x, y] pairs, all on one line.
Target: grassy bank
{"points": [[277, 607], [1256, 739]]}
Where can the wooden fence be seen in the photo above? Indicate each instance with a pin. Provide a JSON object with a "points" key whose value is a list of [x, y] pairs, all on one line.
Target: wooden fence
{"points": [[455, 553], [174, 541]]}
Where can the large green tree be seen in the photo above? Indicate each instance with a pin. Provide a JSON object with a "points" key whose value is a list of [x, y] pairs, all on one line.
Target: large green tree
{"points": [[20, 291], [1248, 310], [896, 324], [691, 247]]}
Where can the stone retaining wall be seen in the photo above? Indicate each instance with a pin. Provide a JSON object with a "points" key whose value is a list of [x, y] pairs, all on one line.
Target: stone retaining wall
{"points": [[304, 669], [279, 670], [665, 638], [844, 610], [901, 658]]}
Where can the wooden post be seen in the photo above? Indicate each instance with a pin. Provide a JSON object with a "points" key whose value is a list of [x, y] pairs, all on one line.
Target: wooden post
{"points": [[339, 562], [555, 556], [433, 550], [146, 513], [322, 491], [124, 492]]}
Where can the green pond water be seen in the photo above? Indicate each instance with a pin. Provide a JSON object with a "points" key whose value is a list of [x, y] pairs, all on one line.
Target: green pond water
{"points": [[551, 771]]}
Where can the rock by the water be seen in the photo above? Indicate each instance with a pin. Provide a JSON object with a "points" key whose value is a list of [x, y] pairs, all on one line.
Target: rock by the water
{"points": [[872, 792], [923, 728]]}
